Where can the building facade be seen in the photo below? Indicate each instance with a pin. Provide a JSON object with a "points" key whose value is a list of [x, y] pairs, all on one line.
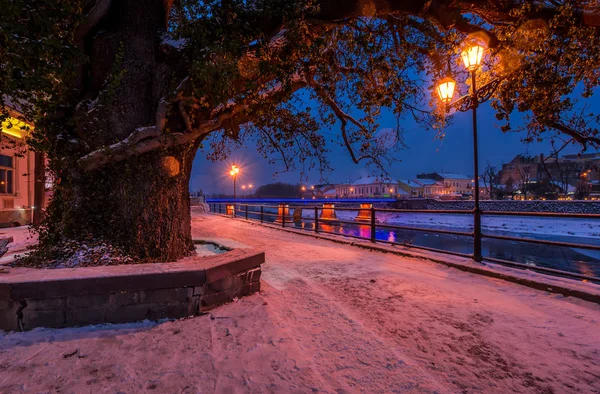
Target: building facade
{"points": [[452, 184], [18, 189], [368, 187], [528, 177]]}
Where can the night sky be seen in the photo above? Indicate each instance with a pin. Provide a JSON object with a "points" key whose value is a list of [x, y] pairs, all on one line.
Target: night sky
{"points": [[424, 153]]}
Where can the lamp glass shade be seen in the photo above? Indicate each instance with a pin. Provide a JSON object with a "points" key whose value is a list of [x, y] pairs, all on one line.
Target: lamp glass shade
{"points": [[472, 56], [445, 89]]}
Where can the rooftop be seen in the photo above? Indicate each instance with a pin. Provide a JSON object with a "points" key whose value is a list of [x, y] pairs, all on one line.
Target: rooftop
{"points": [[369, 180], [452, 175]]}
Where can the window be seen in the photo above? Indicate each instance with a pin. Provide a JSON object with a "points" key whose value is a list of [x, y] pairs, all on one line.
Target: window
{"points": [[6, 174], [6, 161]]}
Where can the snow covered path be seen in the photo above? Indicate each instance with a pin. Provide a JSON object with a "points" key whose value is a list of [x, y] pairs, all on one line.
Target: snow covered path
{"points": [[330, 318]]}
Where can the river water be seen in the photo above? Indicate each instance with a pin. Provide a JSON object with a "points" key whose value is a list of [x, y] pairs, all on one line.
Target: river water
{"points": [[576, 260]]}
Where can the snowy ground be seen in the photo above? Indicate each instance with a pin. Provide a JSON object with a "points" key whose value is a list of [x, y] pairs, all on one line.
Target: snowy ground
{"points": [[21, 239], [330, 318], [564, 227]]}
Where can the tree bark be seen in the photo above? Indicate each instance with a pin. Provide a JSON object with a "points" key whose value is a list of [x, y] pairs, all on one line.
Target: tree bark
{"points": [[39, 187], [140, 204]]}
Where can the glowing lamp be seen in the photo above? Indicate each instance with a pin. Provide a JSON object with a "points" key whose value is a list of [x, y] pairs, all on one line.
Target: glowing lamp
{"points": [[472, 57], [445, 89]]}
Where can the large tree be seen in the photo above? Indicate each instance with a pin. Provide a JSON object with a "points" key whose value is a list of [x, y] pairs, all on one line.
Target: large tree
{"points": [[122, 93]]}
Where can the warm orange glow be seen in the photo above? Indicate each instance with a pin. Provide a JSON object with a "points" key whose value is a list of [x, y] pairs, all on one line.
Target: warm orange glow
{"points": [[391, 190], [445, 89], [15, 127], [472, 56], [234, 170], [303, 188]]}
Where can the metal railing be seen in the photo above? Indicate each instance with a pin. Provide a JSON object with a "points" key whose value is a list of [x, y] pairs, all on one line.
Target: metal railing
{"points": [[281, 215]]}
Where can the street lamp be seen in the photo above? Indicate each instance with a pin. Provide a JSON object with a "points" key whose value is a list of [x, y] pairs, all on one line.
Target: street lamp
{"points": [[445, 89], [472, 57], [235, 170]]}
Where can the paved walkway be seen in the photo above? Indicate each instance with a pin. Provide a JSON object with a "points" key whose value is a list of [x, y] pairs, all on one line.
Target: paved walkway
{"points": [[329, 318]]}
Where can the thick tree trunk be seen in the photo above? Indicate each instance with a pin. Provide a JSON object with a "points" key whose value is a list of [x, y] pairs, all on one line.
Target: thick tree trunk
{"points": [[140, 205]]}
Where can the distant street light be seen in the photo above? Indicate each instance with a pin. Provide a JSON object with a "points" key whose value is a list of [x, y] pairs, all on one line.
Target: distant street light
{"points": [[472, 57], [235, 170], [303, 188]]}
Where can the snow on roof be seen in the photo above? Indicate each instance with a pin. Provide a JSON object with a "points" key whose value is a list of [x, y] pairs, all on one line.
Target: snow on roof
{"points": [[427, 182], [369, 180], [331, 192], [409, 182], [452, 175]]}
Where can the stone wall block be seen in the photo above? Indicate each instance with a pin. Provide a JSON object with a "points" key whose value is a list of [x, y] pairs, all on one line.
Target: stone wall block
{"points": [[47, 304], [85, 301], [53, 318], [85, 316], [125, 298], [162, 296]]}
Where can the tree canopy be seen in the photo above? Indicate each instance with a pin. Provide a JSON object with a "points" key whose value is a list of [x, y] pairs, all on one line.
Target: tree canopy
{"points": [[242, 69], [123, 92]]}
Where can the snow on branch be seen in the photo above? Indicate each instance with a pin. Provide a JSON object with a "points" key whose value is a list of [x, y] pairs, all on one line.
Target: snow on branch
{"points": [[147, 139]]}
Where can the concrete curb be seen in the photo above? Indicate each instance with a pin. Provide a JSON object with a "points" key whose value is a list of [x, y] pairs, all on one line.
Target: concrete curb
{"points": [[567, 287]]}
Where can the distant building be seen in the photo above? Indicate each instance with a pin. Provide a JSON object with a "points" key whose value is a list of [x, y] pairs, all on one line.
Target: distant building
{"points": [[368, 187], [410, 188], [453, 184], [432, 188], [534, 176]]}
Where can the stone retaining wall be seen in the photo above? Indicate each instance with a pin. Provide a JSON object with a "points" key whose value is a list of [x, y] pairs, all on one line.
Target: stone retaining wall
{"points": [[32, 298], [15, 217], [515, 206]]}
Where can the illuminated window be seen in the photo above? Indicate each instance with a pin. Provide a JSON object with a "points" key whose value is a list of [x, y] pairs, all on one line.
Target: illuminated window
{"points": [[6, 174]]}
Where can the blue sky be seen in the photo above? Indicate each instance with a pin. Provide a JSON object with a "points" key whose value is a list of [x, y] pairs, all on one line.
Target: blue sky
{"points": [[424, 153]]}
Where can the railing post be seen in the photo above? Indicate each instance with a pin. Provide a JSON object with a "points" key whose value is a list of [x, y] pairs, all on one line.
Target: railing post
{"points": [[246, 211], [234, 210], [316, 220], [372, 224], [283, 215], [261, 213], [220, 208], [477, 235]]}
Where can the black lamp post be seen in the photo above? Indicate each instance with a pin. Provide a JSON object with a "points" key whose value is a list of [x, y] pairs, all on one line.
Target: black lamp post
{"points": [[472, 57]]}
